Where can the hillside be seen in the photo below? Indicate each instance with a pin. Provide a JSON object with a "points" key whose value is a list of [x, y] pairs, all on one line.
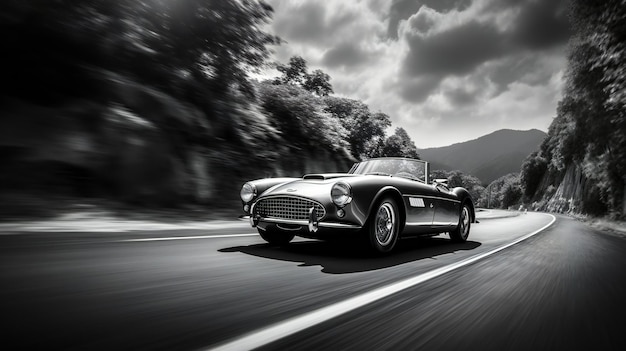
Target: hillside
{"points": [[488, 157], [581, 165]]}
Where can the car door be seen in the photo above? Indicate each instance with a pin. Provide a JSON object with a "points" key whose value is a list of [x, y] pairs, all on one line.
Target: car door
{"points": [[419, 202], [446, 207], [420, 210]]}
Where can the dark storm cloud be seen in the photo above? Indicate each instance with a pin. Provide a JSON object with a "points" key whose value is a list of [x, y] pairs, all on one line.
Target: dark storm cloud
{"points": [[461, 96], [403, 9], [418, 89], [430, 64], [529, 70], [459, 50], [309, 22], [346, 55], [541, 24], [303, 24], [455, 51]]}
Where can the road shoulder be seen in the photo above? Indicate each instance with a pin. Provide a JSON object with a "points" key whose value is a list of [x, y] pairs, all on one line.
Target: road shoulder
{"points": [[103, 221]]}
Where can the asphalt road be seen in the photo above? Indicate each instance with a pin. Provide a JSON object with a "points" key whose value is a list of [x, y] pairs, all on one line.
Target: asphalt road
{"points": [[563, 288]]}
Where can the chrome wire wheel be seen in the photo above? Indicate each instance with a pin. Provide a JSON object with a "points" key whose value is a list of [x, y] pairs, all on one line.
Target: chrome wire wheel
{"points": [[465, 222], [383, 228], [462, 230], [385, 224]]}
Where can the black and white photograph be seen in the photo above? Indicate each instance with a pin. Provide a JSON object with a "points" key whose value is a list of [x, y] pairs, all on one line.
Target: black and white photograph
{"points": [[313, 175]]}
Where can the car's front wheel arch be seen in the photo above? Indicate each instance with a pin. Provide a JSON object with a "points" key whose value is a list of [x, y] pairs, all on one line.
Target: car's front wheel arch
{"points": [[465, 197], [396, 196]]}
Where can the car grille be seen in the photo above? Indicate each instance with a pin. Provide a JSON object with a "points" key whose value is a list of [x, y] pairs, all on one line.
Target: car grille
{"points": [[285, 207]]}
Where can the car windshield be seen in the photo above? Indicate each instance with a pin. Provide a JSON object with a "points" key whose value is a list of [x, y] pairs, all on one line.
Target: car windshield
{"points": [[406, 168]]}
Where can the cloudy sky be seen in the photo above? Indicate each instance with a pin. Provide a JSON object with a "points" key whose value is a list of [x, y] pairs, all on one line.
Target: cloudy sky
{"points": [[445, 70]]}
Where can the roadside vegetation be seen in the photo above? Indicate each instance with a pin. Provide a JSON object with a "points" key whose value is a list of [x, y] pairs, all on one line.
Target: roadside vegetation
{"points": [[151, 103], [581, 165], [580, 168]]}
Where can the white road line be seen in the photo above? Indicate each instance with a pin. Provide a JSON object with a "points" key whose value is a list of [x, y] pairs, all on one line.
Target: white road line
{"points": [[291, 326], [189, 237]]}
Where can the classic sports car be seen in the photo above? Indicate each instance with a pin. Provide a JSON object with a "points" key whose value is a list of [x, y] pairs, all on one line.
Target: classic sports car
{"points": [[379, 200]]}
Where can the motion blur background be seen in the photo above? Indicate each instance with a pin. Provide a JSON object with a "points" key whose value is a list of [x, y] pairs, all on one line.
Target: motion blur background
{"points": [[162, 104]]}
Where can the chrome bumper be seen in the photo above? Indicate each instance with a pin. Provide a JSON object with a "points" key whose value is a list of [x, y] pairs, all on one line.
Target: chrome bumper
{"points": [[312, 226]]}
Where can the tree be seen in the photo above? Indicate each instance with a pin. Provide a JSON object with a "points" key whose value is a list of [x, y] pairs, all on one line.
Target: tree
{"points": [[533, 170], [467, 181], [503, 192], [301, 118], [218, 40], [318, 82], [594, 97], [399, 145], [195, 50], [366, 130], [295, 73], [511, 193], [180, 67], [589, 130]]}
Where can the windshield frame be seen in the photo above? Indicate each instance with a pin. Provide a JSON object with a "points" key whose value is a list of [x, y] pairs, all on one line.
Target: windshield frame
{"points": [[370, 166]]}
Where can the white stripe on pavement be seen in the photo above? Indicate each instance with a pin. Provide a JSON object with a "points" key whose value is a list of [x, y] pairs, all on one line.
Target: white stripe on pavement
{"points": [[189, 237], [291, 326]]}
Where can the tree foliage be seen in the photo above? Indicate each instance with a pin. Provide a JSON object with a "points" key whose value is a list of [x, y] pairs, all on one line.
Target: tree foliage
{"points": [[318, 82], [503, 192], [366, 130], [399, 145], [175, 46], [533, 170], [154, 97], [126, 77], [295, 73], [590, 127], [301, 118]]}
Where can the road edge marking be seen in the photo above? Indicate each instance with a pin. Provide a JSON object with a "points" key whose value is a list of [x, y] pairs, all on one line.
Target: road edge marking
{"points": [[296, 324], [187, 237]]}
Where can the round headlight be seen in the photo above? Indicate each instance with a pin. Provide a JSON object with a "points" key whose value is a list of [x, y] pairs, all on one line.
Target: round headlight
{"points": [[248, 192], [341, 194]]}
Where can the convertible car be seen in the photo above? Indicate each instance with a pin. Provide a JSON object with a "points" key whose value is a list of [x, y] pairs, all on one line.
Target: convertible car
{"points": [[378, 200]]}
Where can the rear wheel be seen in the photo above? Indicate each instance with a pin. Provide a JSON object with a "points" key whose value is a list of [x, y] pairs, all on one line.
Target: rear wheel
{"points": [[384, 226], [462, 230], [275, 237]]}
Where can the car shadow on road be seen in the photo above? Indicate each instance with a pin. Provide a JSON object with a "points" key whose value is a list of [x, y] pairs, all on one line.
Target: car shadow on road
{"points": [[341, 258]]}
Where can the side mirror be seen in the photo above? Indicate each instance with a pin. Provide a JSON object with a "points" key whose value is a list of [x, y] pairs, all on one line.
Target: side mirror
{"points": [[441, 184], [441, 181]]}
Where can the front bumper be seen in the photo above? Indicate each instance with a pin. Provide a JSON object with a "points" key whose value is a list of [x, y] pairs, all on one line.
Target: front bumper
{"points": [[312, 226]]}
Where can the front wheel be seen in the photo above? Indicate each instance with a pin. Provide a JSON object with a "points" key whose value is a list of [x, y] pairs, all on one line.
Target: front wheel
{"points": [[384, 226], [275, 237], [462, 230]]}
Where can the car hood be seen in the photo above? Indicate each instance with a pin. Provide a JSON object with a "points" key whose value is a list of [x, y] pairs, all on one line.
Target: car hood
{"points": [[324, 176], [313, 186]]}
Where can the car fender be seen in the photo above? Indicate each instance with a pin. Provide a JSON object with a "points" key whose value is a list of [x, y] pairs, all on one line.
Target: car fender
{"points": [[397, 195], [264, 184], [464, 196]]}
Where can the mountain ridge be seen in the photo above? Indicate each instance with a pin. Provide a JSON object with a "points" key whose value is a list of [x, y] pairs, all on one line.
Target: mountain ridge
{"points": [[487, 157]]}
